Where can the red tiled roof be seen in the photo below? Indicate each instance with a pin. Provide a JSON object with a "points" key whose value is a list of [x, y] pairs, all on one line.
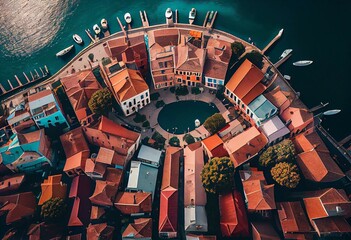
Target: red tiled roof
{"points": [[141, 228], [129, 203], [233, 219], [331, 225], [104, 193], [74, 142], [80, 187], [170, 176], [11, 183], [200, 237], [38, 95], [100, 231], [45, 231], [246, 82], [263, 230], [52, 188], [108, 126], [259, 195], [30, 137], [96, 212], [305, 142], [214, 144], [76, 161], [299, 117], [80, 214], [168, 219], [248, 175]]}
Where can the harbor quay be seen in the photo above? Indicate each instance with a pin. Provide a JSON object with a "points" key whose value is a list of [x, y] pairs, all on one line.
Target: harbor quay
{"points": [[169, 131]]}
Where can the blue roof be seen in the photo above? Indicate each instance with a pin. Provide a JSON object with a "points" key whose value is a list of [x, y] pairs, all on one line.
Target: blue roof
{"points": [[12, 115], [262, 107]]}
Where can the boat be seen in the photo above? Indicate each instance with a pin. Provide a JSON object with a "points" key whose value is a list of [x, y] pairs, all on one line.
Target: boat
{"points": [[210, 17], [104, 23], [285, 53], [287, 77], [64, 51], [303, 63], [96, 29], [168, 13], [77, 39], [128, 18], [192, 15]]}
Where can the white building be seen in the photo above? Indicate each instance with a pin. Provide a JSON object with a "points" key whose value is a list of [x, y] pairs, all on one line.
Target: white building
{"points": [[195, 219], [149, 155]]}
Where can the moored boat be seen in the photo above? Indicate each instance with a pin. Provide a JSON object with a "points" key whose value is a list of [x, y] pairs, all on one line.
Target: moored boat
{"points": [[192, 15], [168, 13], [96, 29], [77, 39], [64, 51], [303, 63], [287, 77], [128, 18], [286, 53], [104, 24]]}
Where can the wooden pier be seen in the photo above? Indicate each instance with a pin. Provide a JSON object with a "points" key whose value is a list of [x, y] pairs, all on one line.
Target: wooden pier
{"points": [[144, 19], [282, 60], [318, 107], [18, 81], [89, 35], [206, 18], [273, 41], [176, 16]]}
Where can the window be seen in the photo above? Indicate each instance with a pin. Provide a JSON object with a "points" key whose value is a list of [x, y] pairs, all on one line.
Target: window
{"points": [[142, 97], [160, 64], [165, 64], [134, 101], [247, 111], [164, 78], [130, 104], [210, 80], [147, 94], [162, 71], [235, 98]]}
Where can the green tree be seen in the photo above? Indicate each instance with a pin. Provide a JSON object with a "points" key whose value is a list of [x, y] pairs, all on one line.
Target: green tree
{"points": [[54, 210], [91, 57], [256, 58], [101, 102], [283, 151], [218, 175], [214, 123], [286, 174], [238, 49], [174, 141], [188, 138], [105, 61]]}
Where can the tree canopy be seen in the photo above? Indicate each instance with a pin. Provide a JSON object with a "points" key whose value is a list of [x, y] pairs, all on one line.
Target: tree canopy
{"points": [[54, 210], [286, 174], [174, 141], [238, 49], [101, 102], [214, 123], [256, 58], [283, 151], [217, 175], [188, 138]]}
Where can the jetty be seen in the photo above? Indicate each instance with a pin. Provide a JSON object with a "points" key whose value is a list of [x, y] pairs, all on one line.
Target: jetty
{"points": [[210, 19], [318, 107], [144, 19], [89, 35], [274, 40], [282, 60]]}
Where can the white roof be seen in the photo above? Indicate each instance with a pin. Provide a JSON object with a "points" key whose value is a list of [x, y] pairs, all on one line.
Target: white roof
{"points": [[134, 174], [195, 216], [149, 154], [274, 128]]}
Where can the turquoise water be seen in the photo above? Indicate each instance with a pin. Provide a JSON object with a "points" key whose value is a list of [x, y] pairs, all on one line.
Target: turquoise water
{"points": [[179, 117], [32, 32]]}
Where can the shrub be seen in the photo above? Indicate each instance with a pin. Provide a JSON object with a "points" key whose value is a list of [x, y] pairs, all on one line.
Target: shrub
{"points": [[91, 57], [182, 91], [283, 151], [146, 124], [218, 175], [154, 96], [195, 90], [286, 174], [160, 103], [188, 138], [139, 118], [101, 102], [105, 61], [53, 210], [256, 58], [174, 141], [214, 123], [172, 89], [160, 140], [238, 49]]}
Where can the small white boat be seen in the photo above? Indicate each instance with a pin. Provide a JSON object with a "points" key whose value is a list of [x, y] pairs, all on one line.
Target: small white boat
{"points": [[192, 15], [287, 77], [286, 53], [77, 39], [168, 13], [64, 51], [104, 23], [96, 29], [303, 63], [128, 18]]}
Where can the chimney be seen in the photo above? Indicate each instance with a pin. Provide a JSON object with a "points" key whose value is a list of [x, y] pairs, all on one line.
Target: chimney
{"points": [[134, 198]]}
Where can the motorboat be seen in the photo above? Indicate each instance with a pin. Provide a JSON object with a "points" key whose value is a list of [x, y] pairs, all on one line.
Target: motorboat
{"points": [[303, 63], [77, 39], [64, 51], [287, 77], [210, 16], [192, 15], [168, 13], [286, 53], [128, 18], [96, 29], [104, 23]]}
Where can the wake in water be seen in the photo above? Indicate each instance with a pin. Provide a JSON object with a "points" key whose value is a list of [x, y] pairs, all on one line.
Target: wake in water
{"points": [[28, 25]]}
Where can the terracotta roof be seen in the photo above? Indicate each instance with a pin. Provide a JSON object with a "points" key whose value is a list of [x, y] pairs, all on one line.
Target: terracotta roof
{"points": [[52, 188], [30, 137], [263, 230], [189, 58], [79, 88], [219, 50], [308, 141], [170, 176], [164, 37], [17, 206], [45, 231], [129, 203], [96, 212], [214, 144], [298, 116], [233, 219], [331, 225], [200, 237], [141, 228], [248, 175], [77, 161], [104, 193], [11, 183], [75, 237], [108, 126], [38, 95], [194, 193], [114, 175], [100, 231], [215, 69], [246, 82], [80, 187], [109, 157], [245, 145], [80, 213], [259, 195], [293, 220], [74, 142], [168, 218], [278, 98]]}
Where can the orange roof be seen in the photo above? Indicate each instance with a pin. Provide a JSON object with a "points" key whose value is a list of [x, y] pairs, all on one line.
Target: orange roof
{"points": [[108, 156], [171, 168], [30, 137], [168, 218], [128, 202], [263, 230], [96, 212], [80, 214], [308, 141], [39, 95], [299, 117], [74, 142], [214, 145], [100, 231], [247, 175], [108, 126], [278, 98], [141, 228], [104, 193], [245, 145], [246, 82], [52, 188], [189, 58], [78, 160], [195, 34], [259, 195]]}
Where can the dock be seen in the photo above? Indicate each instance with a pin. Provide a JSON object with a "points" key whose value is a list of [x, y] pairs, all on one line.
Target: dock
{"points": [[176, 16], [18, 81], [276, 38], [318, 107], [144, 19], [89, 35], [206, 18], [282, 60], [345, 140]]}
